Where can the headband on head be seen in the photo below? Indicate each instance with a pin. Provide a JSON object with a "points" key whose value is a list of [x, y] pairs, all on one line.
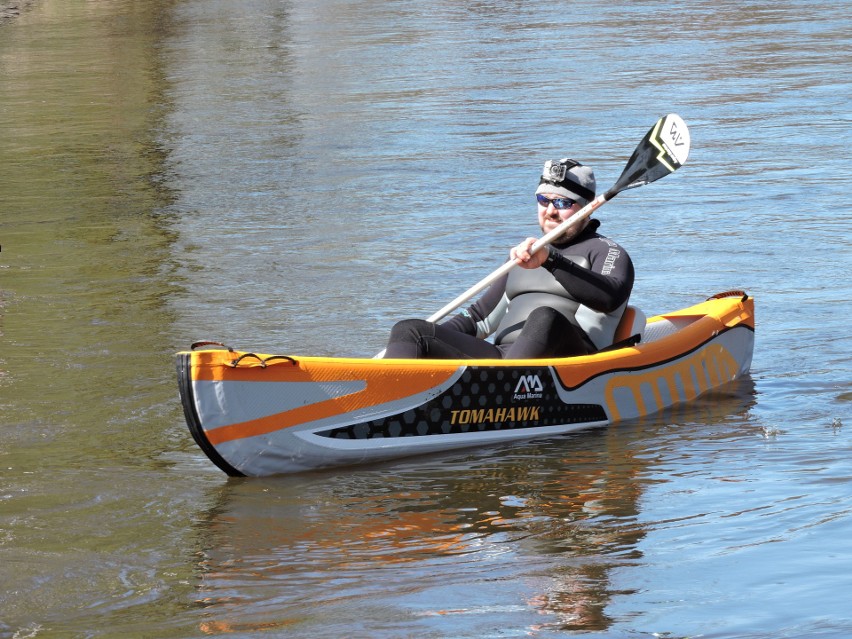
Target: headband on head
{"points": [[569, 178]]}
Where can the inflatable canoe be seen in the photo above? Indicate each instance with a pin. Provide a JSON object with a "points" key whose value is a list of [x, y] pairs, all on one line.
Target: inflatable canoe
{"points": [[255, 414]]}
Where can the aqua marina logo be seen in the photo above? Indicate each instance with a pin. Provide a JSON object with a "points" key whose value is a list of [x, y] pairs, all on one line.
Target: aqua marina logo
{"points": [[529, 387]]}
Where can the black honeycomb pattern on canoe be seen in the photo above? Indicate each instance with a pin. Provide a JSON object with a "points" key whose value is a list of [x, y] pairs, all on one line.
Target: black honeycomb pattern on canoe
{"points": [[477, 391]]}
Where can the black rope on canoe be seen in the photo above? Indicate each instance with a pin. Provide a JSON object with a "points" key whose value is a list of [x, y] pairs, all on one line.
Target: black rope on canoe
{"points": [[264, 361], [734, 293], [284, 357], [209, 343]]}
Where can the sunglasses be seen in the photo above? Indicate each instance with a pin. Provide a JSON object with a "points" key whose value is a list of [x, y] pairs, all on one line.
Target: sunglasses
{"points": [[557, 202]]}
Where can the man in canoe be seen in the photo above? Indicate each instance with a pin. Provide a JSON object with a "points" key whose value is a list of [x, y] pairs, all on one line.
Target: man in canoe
{"points": [[567, 298]]}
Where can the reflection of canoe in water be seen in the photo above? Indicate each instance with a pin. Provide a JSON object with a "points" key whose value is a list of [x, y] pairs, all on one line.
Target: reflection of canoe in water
{"points": [[268, 414]]}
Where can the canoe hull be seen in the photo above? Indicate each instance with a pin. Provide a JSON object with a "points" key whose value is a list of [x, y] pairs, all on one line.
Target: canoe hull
{"points": [[260, 415]]}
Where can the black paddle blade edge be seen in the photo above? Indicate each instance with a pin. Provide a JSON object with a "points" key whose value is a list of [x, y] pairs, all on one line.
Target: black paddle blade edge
{"points": [[663, 150]]}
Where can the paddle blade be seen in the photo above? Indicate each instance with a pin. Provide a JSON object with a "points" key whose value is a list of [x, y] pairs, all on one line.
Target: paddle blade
{"points": [[662, 151]]}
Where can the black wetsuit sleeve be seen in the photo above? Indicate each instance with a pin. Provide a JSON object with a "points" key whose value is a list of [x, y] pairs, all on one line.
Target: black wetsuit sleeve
{"points": [[466, 321], [605, 285]]}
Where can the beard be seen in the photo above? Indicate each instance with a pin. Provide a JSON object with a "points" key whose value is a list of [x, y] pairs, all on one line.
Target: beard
{"points": [[571, 232]]}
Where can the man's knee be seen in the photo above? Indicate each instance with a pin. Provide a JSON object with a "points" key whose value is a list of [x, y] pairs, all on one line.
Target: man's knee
{"points": [[545, 318], [548, 326], [411, 330]]}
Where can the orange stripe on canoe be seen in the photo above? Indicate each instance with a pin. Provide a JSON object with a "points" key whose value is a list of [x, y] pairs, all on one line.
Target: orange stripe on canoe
{"points": [[383, 384]]}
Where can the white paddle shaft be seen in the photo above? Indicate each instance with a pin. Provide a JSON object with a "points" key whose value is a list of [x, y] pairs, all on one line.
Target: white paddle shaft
{"points": [[543, 241]]}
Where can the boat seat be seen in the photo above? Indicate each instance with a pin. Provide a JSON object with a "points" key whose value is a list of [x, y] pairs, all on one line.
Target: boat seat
{"points": [[632, 324]]}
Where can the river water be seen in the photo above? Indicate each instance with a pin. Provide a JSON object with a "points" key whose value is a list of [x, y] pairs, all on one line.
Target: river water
{"points": [[293, 177]]}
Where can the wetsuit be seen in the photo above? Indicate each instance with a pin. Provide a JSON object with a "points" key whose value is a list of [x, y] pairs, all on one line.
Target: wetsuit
{"points": [[569, 306]]}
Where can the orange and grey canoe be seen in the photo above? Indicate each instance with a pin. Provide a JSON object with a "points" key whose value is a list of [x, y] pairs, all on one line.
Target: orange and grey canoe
{"points": [[258, 414]]}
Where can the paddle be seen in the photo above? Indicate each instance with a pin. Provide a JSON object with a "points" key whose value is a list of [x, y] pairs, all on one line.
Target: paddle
{"points": [[663, 150]]}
